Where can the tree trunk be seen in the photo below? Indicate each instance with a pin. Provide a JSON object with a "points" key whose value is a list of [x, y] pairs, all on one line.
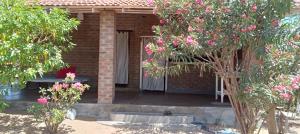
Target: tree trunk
{"points": [[271, 121]]}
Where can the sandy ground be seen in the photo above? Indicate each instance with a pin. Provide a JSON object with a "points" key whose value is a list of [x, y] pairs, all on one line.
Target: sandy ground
{"points": [[13, 122], [19, 123]]}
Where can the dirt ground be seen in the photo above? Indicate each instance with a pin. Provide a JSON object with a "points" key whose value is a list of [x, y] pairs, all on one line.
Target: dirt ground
{"points": [[19, 123], [13, 122], [16, 122]]}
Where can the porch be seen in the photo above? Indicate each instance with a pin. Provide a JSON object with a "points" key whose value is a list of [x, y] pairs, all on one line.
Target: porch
{"points": [[128, 96], [202, 109]]}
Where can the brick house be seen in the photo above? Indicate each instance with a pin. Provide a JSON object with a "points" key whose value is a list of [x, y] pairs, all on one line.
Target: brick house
{"points": [[95, 53], [96, 39]]}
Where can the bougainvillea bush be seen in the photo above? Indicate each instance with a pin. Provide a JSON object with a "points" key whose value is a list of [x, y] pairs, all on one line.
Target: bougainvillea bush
{"points": [[52, 106], [236, 40]]}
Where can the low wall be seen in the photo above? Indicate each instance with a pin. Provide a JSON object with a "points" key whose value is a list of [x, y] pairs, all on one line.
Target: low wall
{"points": [[208, 115]]}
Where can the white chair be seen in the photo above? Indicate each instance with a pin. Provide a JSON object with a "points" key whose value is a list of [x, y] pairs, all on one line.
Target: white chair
{"points": [[221, 91]]}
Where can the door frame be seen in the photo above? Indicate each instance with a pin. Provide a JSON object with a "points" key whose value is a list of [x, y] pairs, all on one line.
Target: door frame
{"points": [[141, 65]]}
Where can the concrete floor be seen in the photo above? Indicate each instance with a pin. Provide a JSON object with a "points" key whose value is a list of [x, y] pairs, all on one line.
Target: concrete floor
{"points": [[134, 97]]}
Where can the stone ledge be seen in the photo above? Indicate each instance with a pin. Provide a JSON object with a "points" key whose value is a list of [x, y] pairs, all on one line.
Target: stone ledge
{"points": [[151, 118]]}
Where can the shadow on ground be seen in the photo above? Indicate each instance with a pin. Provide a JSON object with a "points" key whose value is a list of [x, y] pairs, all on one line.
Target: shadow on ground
{"points": [[18, 123]]}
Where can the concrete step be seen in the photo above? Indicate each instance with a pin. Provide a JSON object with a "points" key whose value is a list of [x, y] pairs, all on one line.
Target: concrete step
{"points": [[151, 118]]}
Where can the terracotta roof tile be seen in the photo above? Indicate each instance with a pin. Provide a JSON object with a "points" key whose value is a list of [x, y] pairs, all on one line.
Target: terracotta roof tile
{"points": [[113, 3]]}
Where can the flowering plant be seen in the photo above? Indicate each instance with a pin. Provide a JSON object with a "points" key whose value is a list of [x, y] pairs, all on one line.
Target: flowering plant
{"points": [[54, 102], [232, 39]]}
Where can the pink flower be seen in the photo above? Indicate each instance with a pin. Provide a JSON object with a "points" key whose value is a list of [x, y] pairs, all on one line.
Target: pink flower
{"points": [[42, 101], [77, 84], [245, 16], [211, 42], [150, 60], [208, 9], [254, 7], [252, 27], [189, 40], [71, 76], [161, 49], [296, 80], [295, 86], [190, 29], [279, 88], [160, 41], [148, 50], [200, 2], [57, 87], [150, 2], [65, 86], [226, 10], [285, 96], [178, 11], [244, 30], [162, 22], [175, 43], [146, 74]]}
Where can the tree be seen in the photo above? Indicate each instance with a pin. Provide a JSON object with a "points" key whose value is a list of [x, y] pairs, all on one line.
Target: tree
{"points": [[227, 37], [32, 40]]}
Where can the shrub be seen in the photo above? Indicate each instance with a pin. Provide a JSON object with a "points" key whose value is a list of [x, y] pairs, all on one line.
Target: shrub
{"points": [[54, 102]]}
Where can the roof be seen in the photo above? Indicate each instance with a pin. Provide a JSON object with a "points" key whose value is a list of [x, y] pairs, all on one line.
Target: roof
{"points": [[135, 4], [97, 3]]}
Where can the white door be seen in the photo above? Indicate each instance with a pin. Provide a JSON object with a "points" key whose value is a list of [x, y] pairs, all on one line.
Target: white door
{"points": [[147, 82]]}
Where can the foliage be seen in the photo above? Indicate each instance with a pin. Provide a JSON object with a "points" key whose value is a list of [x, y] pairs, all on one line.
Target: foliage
{"points": [[32, 39], [229, 38], [54, 102], [278, 78], [3, 105]]}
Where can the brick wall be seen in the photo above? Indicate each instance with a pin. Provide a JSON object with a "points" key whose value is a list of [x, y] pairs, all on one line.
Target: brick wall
{"points": [[192, 82], [85, 55]]}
